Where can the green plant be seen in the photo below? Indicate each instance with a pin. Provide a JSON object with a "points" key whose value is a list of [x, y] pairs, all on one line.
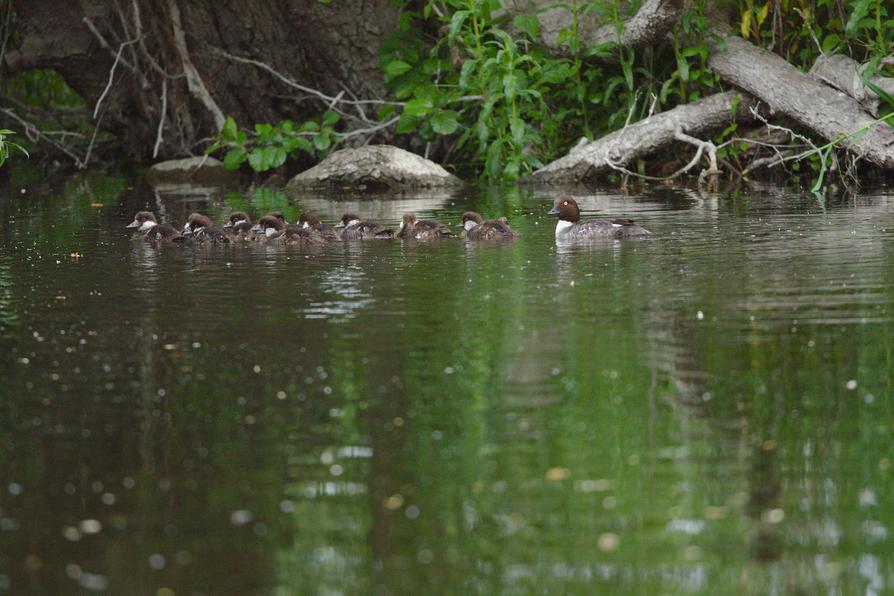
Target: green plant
{"points": [[270, 145], [477, 85], [6, 146]]}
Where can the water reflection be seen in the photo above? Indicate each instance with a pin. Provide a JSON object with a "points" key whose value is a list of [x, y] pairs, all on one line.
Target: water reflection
{"points": [[706, 411]]}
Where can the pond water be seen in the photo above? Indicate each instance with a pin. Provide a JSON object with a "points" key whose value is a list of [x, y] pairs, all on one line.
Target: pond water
{"points": [[709, 411]]}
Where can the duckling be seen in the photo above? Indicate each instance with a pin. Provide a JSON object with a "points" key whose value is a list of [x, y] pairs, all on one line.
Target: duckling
{"points": [[310, 220], [357, 229], [239, 225], [150, 229], [570, 228], [236, 218], [274, 230], [475, 228], [202, 229], [423, 229]]}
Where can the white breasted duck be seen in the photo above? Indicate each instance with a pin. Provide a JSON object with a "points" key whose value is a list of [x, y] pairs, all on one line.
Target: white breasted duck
{"points": [[423, 229], [570, 228], [149, 228], [357, 229], [476, 228]]}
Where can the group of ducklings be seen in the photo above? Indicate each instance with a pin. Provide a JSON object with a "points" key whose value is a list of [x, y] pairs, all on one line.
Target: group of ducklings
{"points": [[310, 230]]}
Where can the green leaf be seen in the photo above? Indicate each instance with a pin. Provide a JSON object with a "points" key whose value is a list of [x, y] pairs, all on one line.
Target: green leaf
{"points": [[304, 145], [529, 23], [418, 107], [262, 128], [456, 23], [229, 130], [406, 124], [256, 160], [829, 43], [861, 8], [330, 118], [395, 68], [444, 122], [385, 112], [279, 157], [510, 85], [322, 142], [234, 158], [682, 68], [517, 126], [466, 72]]}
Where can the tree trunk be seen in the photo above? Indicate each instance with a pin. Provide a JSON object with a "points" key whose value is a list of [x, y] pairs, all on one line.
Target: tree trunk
{"points": [[844, 73], [622, 147], [650, 24], [826, 111], [184, 73]]}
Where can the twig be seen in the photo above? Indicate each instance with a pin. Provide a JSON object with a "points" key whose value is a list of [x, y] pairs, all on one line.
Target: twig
{"points": [[111, 76], [309, 90], [83, 164], [105, 45], [161, 119], [193, 80], [127, 35], [702, 146], [33, 133], [6, 31], [138, 25], [370, 130]]}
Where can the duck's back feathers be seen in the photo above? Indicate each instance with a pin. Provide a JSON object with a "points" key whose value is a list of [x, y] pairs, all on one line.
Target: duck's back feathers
{"points": [[366, 230], [162, 232], [491, 230]]}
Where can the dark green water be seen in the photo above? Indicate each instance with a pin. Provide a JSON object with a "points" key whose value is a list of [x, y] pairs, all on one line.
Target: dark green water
{"points": [[707, 412]]}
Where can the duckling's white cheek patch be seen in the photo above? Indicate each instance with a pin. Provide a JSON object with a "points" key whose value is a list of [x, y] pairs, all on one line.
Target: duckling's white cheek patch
{"points": [[269, 232], [402, 224], [147, 225], [306, 225], [469, 225]]}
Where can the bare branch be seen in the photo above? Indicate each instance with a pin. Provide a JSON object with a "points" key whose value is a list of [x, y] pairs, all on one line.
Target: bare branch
{"points": [[33, 133], [193, 80], [105, 45], [161, 119], [105, 91]]}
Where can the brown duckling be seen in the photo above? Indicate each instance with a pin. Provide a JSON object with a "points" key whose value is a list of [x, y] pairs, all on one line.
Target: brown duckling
{"points": [[357, 229], [272, 229], [202, 229], [149, 228], [423, 229], [310, 220], [476, 228]]}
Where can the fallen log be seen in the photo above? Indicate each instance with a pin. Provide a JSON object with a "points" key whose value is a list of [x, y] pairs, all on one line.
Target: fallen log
{"points": [[622, 147], [827, 112], [845, 74], [650, 24]]}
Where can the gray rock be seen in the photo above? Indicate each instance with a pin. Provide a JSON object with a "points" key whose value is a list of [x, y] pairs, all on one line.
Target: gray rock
{"points": [[191, 170], [376, 168]]}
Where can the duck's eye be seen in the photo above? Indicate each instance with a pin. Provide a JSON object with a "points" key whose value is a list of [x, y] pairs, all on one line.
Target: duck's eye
{"points": [[565, 203]]}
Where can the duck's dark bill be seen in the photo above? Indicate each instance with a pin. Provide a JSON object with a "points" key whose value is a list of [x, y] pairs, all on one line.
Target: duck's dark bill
{"points": [[553, 211]]}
